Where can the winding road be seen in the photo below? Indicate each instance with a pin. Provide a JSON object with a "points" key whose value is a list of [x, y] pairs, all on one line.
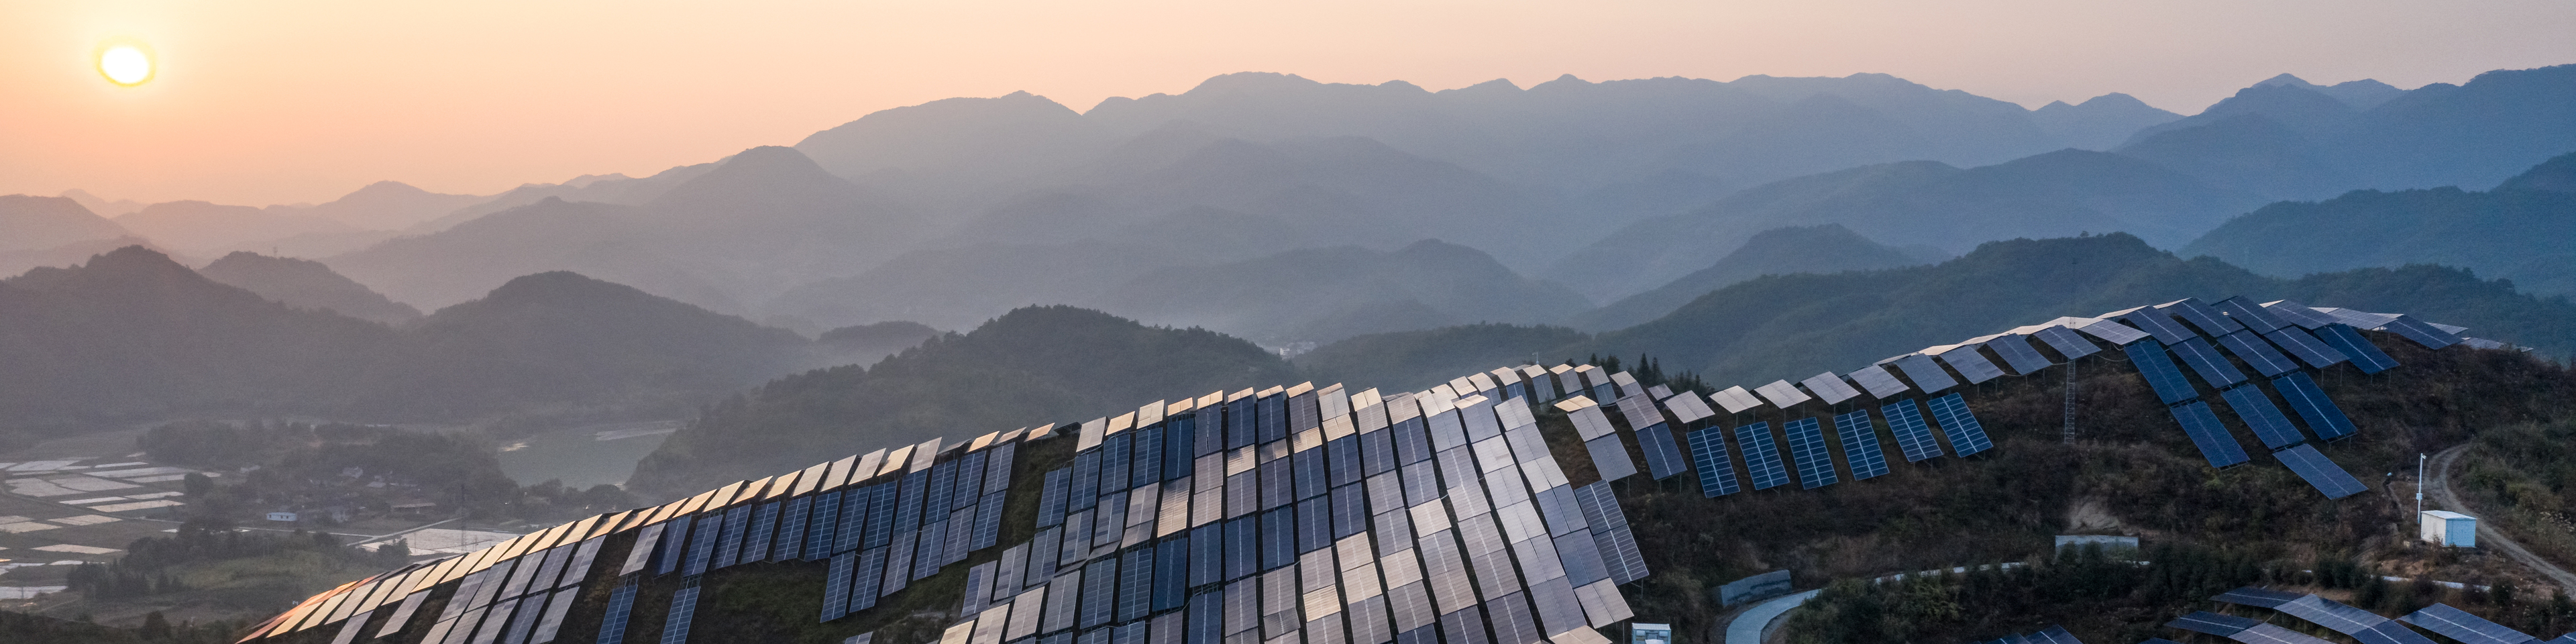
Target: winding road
{"points": [[2437, 487]]}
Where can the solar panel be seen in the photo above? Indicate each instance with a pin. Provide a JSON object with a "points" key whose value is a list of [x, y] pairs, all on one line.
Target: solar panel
{"points": [[2259, 415], [2270, 634], [2360, 351], [1663, 458], [2160, 372], [684, 611], [1761, 456], [2067, 343], [1735, 399], [1860, 446], [2389, 631], [2299, 342], [2257, 354], [836, 586], [2298, 314], [2312, 405], [1708, 453], [1926, 374], [1913, 436], [2156, 323], [2421, 333], [2212, 623], [2202, 425], [1589, 422], [1630, 565], [1610, 458], [2463, 627], [1781, 394], [1807, 448], [1829, 388], [2113, 332], [1878, 381], [2257, 597], [2248, 313], [2017, 353], [2348, 620], [2320, 472], [1971, 365], [2206, 361], [2200, 315], [1967, 436], [612, 623]]}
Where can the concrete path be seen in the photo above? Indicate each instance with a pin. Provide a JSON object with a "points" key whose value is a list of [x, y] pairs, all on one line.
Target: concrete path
{"points": [[2437, 488], [1752, 624]]}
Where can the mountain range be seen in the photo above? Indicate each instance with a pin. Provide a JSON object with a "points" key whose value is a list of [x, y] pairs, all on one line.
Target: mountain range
{"points": [[2519, 231]]}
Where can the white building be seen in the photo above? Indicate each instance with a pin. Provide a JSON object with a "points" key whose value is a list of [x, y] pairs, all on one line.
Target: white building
{"points": [[2450, 529]]}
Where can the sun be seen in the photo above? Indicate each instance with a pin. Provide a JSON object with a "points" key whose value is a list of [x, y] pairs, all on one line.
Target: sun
{"points": [[126, 63]]}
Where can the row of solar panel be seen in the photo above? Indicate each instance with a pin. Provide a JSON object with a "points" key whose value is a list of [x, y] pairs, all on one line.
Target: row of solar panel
{"points": [[1809, 453], [2361, 625]]}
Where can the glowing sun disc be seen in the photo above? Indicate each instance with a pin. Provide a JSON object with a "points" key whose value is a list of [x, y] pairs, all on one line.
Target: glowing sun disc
{"points": [[125, 65]]}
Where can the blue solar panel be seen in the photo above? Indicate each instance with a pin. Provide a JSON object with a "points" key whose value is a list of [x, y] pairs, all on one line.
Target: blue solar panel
{"points": [[881, 514], [1967, 436], [791, 530], [1610, 457], [1377, 452], [942, 491], [1913, 436], [2259, 415], [1807, 448], [1708, 452], [1148, 457], [1349, 510], [836, 586], [1630, 564], [2305, 345], [2016, 352], [1135, 584], [1171, 573], [2312, 405], [674, 541], [1084, 490], [2212, 623], [1116, 456], [1099, 592], [1314, 524], [1274, 418], [1307, 470], [1052, 498], [1860, 445], [2257, 354], [702, 544], [1412, 440], [1663, 458], [621, 605], [988, 520], [2212, 438], [823, 524], [2068, 343], [764, 524], [2423, 334], [1342, 460], [2359, 350], [2458, 624], [1278, 538], [737, 524], [1761, 456], [2160, 372], [2324, 474], [2206, 361], [684, 610], [858, 517]]}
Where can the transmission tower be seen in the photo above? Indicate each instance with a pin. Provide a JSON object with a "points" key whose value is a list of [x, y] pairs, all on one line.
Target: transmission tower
{"points": [[2070, 402]]}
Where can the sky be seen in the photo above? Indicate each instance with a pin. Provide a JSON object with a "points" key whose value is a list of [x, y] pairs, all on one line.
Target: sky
{"points": [[259, 102]]}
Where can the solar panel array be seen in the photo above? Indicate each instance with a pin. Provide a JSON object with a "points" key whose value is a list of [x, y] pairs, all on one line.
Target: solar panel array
{"points": [[1807, 448], [2052, 635], [1347, 519], [2459, 625]]}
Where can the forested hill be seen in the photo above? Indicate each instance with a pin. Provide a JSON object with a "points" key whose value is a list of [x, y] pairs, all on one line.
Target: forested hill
{"points": [[2519, 231], [133, 334], [1032, 365], [1793, 326]]}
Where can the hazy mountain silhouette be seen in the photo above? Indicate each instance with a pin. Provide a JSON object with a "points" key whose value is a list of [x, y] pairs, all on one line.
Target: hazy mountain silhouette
{"points": [[133, 334], [1791, 326], [388, 205], [464, 262], [1326, 294], [2520, 231], [2099, 123], [307, 284], [1029, 365], [1916, 203], [35, 223], [609, 188], [868, 343], [100, 205], [204, 228], [2289, 139], [1829, 248], [68, 255]]}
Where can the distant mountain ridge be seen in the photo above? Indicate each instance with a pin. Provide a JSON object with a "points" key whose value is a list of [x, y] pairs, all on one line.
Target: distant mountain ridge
{"points": [[2521, 231], [1829, 248], [307, 284]]}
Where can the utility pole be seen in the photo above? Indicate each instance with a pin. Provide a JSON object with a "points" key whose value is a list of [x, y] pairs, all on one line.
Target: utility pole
{"points": [[2070, 403], [2419, 484]]}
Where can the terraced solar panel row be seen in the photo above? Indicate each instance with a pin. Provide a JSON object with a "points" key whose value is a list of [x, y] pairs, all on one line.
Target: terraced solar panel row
{"points": [[1913, 436], [2067, 342], [1971, 365], [2424, 334], [2363, 355], [2161, 374], [2017, 353], [1967, 436], [2320, 472], [1860, 446], [1663, 458], [2207, 434], [2446, 621], [2257, 353], [1610, 458], [1761, 456], [1807, 447], [2207, 363], [1708, 455], [2312, 405], [2259, 414]]}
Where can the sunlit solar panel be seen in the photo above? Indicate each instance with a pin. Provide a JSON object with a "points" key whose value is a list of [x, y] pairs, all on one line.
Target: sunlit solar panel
{"points": [[1761, 456], [1860, 446], [1967, 436], [2260, 415], [1807, 448], [1708, 454], [1913, 436]]}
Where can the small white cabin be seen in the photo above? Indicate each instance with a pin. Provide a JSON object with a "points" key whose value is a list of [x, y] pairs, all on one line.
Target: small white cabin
{"points": [[2450, 529]]}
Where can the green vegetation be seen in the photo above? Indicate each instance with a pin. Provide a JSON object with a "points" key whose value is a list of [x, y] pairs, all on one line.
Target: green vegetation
{"points": [[2518, 231], [2522, 477], [342, 469], [244, 569], [23, 627], [1415, 360], [1031, 365]]}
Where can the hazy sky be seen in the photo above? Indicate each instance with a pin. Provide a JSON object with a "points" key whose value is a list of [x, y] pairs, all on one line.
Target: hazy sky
{"points": [[262, 102]]}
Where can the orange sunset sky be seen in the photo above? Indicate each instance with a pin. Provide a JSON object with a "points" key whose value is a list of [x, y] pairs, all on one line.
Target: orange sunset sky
{"points": [[260, 102]]}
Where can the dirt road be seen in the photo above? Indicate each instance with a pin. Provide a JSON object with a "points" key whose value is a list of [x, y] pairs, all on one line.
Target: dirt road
{"points": [[2437, 488]]}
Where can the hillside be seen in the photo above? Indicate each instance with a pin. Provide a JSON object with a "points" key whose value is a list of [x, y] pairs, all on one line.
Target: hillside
{"points": [[209, 228], [2056, 194], [1326, 294], [2518, 231], [307, 284], [1829, 248], [34, 223], [1031, 365], [132, 334]]}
